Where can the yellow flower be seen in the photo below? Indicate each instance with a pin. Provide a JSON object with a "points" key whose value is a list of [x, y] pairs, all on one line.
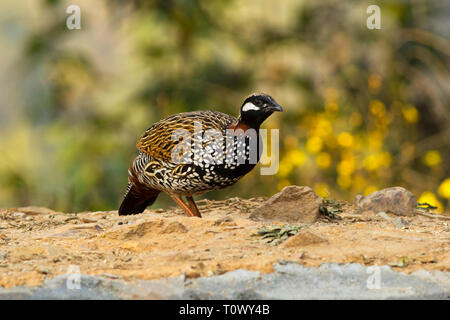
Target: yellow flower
{"points": [[345, 139], [375, 161], [430, 198], [323, 127], [321, 189], [323, 160], [410, 114], [296, 157], [314, 144], [432, 158], [444, 189], [371, 163], [346, 167], [377, 108]]}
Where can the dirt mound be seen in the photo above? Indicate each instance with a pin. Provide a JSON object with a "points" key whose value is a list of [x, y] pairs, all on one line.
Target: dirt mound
{"points": [[38, 243]]}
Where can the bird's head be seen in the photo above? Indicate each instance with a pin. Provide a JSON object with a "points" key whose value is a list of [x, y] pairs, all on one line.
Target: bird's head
{"points": [[257, 108]]}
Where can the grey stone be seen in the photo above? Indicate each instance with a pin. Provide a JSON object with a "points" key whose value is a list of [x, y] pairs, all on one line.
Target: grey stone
{"points": [[293, 204], [288, 281], [3, 256], [400, 223], [384, 215], [395, 200]]}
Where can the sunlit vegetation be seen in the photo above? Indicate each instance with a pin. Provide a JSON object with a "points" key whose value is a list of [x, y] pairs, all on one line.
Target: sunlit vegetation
{"points": [[363, 109]]}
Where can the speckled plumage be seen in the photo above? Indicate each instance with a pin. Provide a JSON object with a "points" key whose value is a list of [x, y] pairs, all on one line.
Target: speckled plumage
{"points": [[163, 165]]}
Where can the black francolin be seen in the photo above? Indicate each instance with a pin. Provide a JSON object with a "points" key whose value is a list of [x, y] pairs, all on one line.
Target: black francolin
{"points": [[191, 153]]}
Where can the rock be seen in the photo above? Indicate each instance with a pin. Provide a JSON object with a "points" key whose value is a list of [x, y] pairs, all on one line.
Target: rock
{"points": [[287, 281], [304, 238], [43, 270], [18, 214], [399, 223], [396, 200], [3, 256], [384, 216], [293, 204]]}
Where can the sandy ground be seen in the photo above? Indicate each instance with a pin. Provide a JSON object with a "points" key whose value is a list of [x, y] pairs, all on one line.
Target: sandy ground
{"points": [[38, 243]]}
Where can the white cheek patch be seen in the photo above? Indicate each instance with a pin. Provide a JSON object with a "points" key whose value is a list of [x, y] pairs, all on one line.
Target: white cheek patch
{"points": [[249, 106]]}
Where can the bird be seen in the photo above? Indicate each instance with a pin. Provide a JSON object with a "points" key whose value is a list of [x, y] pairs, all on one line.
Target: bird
{"points": [[190, 153]]}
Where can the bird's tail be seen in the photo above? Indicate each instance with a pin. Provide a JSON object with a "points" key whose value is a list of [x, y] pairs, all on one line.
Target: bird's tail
{"points": [[135, 201]]}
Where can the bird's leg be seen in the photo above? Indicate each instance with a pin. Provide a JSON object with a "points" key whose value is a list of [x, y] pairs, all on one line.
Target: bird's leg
{"points": [[193, 206], [183, 205]]}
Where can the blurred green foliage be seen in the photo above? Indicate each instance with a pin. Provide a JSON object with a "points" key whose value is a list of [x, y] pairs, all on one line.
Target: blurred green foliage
{"points": [[364, 109]]}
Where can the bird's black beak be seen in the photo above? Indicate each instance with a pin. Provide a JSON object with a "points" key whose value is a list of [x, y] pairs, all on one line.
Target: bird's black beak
{"points": [[276, 107]]}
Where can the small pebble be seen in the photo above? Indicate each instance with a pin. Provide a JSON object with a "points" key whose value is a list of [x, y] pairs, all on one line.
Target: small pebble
{"points": [[400, 223], [43, 270], [18, 214]]}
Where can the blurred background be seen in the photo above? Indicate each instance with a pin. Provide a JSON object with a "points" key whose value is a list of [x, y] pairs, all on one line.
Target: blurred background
{"points": [[364, 109]]}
